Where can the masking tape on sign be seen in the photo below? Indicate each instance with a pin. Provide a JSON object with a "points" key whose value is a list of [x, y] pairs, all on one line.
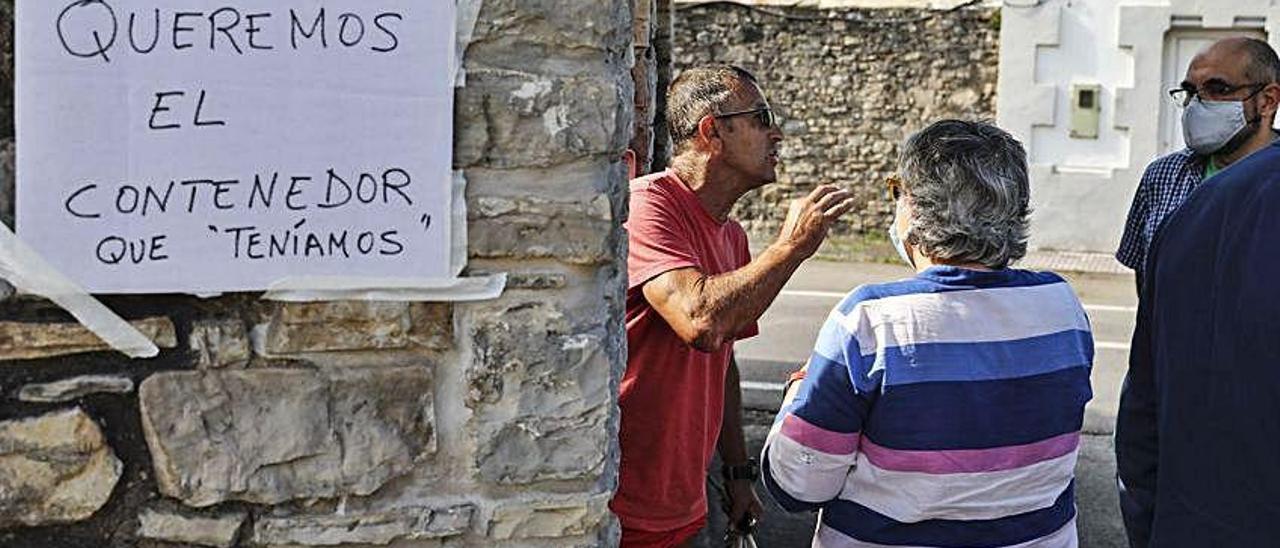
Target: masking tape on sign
{"points": [[467, 15], [337, 288], [30, 273]]}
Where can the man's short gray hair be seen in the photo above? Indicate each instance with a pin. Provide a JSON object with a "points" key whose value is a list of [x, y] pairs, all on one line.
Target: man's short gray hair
{"points": [[699, 92], [967, 183], [1262, 65]]}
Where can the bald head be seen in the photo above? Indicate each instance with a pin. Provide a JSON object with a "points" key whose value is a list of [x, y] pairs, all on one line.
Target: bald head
{"points": [[1255, 60]]}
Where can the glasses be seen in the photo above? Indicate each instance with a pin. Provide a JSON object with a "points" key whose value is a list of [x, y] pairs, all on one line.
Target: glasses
{"points": [[893, 185], [1212, 89], [763, 115]]}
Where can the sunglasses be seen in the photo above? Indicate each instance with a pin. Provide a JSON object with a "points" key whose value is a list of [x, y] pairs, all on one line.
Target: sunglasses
{"points": [[763, 115], [893, 185]]}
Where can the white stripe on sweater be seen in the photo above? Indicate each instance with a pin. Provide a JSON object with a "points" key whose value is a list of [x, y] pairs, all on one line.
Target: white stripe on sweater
{"points": [[911, 497], [970, 316], [806, 474]]}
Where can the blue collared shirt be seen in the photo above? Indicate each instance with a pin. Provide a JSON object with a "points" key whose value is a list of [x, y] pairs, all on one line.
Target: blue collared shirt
{"points": [[1165, 184]]}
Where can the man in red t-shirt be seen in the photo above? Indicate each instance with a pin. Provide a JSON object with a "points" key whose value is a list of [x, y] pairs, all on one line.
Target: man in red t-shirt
{"points": [[693, 291]]}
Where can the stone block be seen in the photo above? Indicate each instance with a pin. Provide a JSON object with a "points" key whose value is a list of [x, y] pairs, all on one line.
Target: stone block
{"points": [[540, 392], [577, 232], [532, 449], [507, 119], [336, 326], [521, 33], [216, 531], [27, 341], [220, 343], [548, 517], [272, 435], [432, 325], [377, 528], [74, 388], [537, 279], [56, 468]]}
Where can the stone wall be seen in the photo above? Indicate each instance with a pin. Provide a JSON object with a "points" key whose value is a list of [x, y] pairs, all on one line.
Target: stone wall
{"points": [[364, 423], [652, 74], [851, 85]]}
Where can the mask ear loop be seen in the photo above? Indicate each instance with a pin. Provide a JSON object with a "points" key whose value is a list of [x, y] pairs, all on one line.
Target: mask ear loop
{"points": [[1258, 111], [906, 242]]}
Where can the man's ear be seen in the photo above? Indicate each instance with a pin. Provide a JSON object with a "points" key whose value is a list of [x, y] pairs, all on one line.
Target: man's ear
{"points": [[1271, 100], [709, 134]]}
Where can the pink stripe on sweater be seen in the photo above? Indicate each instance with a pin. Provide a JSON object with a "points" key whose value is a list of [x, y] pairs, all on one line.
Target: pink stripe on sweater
{"points": [[817, 438], [959, 461]]}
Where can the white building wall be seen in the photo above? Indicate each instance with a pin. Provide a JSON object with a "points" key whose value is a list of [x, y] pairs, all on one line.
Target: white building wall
{"points": [[1081, 188]]}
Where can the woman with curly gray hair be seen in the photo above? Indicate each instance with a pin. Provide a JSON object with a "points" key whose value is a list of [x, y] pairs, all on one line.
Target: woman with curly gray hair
{"points": [[944, 409]]}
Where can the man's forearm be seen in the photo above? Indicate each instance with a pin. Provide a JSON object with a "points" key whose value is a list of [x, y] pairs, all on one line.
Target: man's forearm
{"points": [[707, 311], [729, 303], [732, 445]]}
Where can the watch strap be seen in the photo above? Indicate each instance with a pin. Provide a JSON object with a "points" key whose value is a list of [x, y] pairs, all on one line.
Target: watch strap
{"points": [[749, 471]]}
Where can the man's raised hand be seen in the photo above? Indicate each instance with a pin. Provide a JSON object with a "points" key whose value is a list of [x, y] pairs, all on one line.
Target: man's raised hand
{"points": [[809, 218]]}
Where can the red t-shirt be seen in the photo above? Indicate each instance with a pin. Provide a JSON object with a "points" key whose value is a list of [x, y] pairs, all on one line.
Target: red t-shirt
{"points": [[672, 396]]}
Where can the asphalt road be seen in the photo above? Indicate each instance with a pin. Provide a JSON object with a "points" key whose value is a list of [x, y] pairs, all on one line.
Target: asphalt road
{"points": [[787, 332]]}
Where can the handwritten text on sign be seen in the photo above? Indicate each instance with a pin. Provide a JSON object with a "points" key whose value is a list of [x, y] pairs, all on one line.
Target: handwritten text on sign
{"points": [[207, 145]]}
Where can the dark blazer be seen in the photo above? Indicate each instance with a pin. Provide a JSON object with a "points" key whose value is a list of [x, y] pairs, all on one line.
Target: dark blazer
{"points": [[1198, 434]]}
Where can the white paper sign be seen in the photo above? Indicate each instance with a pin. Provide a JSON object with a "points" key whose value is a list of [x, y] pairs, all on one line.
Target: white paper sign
{"points": [[219, 145]]}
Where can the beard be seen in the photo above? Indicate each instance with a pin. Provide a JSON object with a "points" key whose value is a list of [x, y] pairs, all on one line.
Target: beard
{"points": [[1251, 129], [1253, 124]]}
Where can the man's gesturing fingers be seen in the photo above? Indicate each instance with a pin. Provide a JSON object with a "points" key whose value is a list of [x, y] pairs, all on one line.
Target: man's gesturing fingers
{"points": [[840, 208], [831, 199], [821, 191]]}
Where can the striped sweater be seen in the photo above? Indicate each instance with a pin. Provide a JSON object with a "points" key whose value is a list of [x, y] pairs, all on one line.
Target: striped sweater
{"points": [[943, 410]]}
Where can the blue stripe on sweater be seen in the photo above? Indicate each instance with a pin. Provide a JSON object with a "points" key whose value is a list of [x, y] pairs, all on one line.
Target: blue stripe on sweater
{"points": [[826, 398], [985, 361], [979, 414]]}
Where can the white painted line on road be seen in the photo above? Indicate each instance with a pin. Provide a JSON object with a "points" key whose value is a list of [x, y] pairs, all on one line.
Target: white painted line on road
{"points": [[1105, 345], [766, 386], [837, 296], [817, 294], [1110, 308]]}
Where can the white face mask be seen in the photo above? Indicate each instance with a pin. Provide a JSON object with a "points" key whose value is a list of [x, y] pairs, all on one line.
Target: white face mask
{"points": [[1208, 126], [898, 245], [897, 241]]}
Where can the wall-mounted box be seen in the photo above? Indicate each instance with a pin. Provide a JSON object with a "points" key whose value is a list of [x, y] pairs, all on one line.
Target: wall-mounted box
{"points": [[1086, 109]]}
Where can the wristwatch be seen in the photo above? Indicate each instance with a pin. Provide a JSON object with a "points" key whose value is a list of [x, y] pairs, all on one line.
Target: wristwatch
{"points": [[749, 471]]}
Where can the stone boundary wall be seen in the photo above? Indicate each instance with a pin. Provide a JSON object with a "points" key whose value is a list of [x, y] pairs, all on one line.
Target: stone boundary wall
{"points": [[878, 4], [851, 84], [363, 423]]}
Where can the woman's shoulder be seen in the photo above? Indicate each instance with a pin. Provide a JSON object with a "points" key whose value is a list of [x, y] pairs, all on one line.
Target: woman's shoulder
{"points": [[868, 293], [1036, 276], [871, 304]]}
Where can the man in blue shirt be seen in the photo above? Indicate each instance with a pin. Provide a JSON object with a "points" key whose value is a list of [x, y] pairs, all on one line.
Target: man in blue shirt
{"points": [[1223, 120], [1198, 434]]}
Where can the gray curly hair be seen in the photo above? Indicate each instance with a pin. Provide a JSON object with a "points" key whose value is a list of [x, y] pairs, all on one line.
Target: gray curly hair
{"points": [[967, 183]]}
